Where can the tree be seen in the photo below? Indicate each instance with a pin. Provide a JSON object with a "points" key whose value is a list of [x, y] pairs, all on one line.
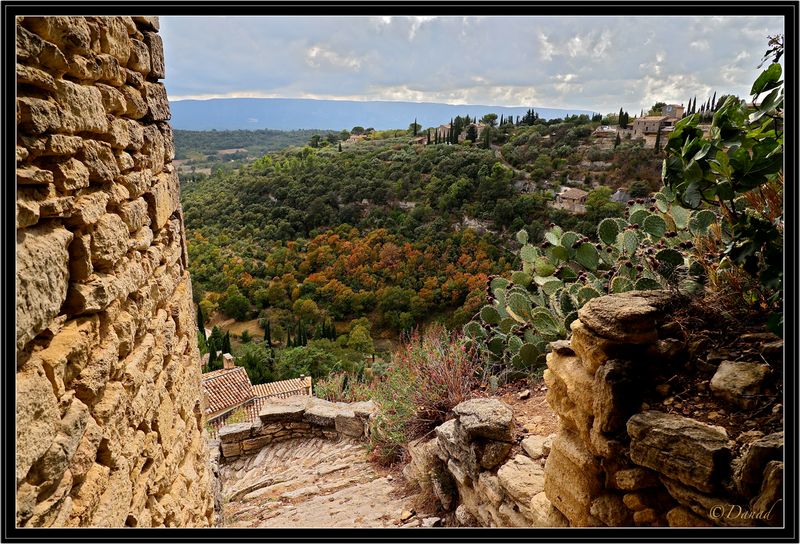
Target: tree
{"points": [[340, 147], [639, 189], [657, 108], [414, 127], [267, 335], [617, 141], [357, 130], [472, 133], [360, 340], [490, 119], [256, 361], [429, 137], [235, 304], [245, 337], [201, 322], [226, 343], [314, 141]]}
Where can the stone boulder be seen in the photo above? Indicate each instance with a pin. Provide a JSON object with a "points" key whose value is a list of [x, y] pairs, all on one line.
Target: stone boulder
{"points": [[485, 418], [681, 448], [521, 478], [273, 412], [739, 383], [749, 466], [626, 317], [321, 413]]}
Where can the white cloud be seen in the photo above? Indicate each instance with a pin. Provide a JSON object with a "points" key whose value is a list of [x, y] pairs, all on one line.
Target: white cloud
{"points": [[317, 56]]}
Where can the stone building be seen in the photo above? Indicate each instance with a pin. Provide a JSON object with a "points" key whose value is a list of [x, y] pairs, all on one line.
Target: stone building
{"points": [[571, 199]]}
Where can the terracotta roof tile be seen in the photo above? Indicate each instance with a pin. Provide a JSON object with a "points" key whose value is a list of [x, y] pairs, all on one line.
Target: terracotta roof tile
{"points": [[282, 388], [226, 388]]}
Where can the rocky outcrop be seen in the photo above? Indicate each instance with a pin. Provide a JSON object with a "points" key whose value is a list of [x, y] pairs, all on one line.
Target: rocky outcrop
{"points": [[470, 469], [616, 462], [109, 422]]}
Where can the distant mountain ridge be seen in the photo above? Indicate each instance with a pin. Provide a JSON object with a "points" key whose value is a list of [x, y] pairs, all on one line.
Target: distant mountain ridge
{"points": [[302, 113]]}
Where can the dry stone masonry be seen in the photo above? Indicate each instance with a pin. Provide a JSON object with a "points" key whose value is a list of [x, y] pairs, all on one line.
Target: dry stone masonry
{"points": [[293, 418], [109, 426], [615, 463]]}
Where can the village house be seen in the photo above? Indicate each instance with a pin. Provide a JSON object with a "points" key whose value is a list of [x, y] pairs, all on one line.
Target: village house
{"points": [[648, 127], [620, 196], [229, 390], [571, 199]]}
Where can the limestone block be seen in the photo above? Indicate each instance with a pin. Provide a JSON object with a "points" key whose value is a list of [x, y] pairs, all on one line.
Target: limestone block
{"points": [[41, 279], [109, 241], [52, 465], [135, 104], [37, 116], [625, 317], [579, 383], [681, 516], [321, 413], [157, 103], [71, 33], [71, 174], [62, 145], [645, 518], [141, 239], [113, 35], [633, 479], [768, 504], [235, 433], [347, 423], [544, 514], [252, 444], [28, 75], [748, 468], [124, 161], [534, 446], [488, 485], [35, 50], [169, 145], [458, 472], [681, 448], [38, 416], [56, 506], [114, 503], [146, 23], [485, 418], [139, 59], [27, 213], [153, 147], [135, 134], [705, 505], [490, 453], [617, 393], [156, 46], [136, 183], [88, 209], [113, 100], [610, 509], [275, 412], [81, 107], [573, 478], [33, 175], [739, 383], [93, 378], [99, 158], [163, 199], [521, 478]]}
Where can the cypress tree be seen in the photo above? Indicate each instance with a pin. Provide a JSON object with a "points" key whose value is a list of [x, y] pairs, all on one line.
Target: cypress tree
{"points": [[226, 343], [657, 146], [340, 147], [621, 119], [429, 137], [415, 126], [201, 322], [288, 338], [714, 102], [268, 335], [617, 141]]}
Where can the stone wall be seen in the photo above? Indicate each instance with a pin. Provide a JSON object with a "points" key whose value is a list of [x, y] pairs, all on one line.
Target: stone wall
{"points": [[615, 461], [295, 417], [109, 419], [475, 468]]}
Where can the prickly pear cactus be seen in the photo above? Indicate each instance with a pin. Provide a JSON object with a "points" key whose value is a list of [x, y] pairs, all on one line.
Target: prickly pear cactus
{"points": [[651, 249]]}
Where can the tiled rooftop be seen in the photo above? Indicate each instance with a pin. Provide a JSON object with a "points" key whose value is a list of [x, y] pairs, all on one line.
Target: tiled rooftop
{"points": [[226, 388], [283, 388]]}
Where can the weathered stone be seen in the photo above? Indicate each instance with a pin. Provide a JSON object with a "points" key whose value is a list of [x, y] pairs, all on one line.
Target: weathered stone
{"points": [[37, 116], [739, 383], [162, 199], [321, 413], [544, 514], [633, 479], [40, 52], [274, 412], [347, 423], [681, 516], [617, 395], [88, 208], [444, 487], [767, 504], [625, 317], [157, 103], [81, 107], [578, 382], [465, 518], [28, 75], [156, 47], [140, 57], [534, 446], [135, 104], [114, 38], [235, 432], [645, 518], [137, 182], [33, 175], [748, 468], [146, 23], [485, 418], [611, 510], [71, 175], [681, 448], [70, 32], [718, 510], [113, 100], [98, 157], [62, 145], [521, 478], [109, 241], [491, 453], [38, 416], [27, 213], [41, 278]]}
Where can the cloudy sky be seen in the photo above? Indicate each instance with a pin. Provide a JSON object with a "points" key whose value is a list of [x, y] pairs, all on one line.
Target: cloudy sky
{"points": [[594, 63]]}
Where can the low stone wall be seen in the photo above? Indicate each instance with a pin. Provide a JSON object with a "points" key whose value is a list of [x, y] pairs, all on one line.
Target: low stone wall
{"points": [[296, 417], [615, 462], [471, 467]]}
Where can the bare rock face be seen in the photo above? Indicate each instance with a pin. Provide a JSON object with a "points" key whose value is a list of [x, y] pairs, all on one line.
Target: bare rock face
{"points": [[485, 418], [768, 502], [626, 317], [739, 383], [748, 468], [42, 277], [686, 450], [521, 478]]}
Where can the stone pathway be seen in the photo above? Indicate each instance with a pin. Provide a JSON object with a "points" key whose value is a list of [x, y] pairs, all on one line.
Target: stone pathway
{"points": [[310, 483]]}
